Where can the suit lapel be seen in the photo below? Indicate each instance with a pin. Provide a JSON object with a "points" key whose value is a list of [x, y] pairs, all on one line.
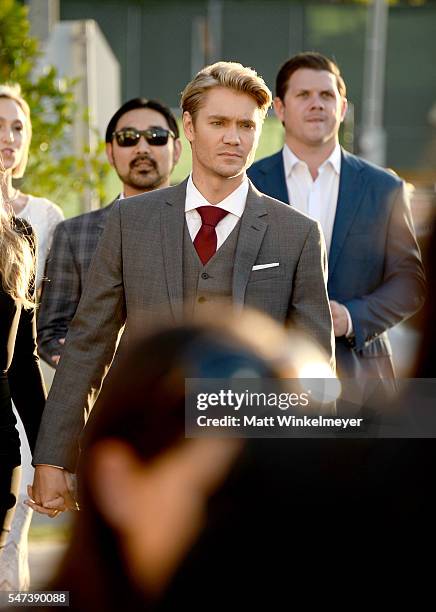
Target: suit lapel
{"points": [[274, 178], [250, 238], [351, 190], [104, 213], [251, 233], [172, 224]]}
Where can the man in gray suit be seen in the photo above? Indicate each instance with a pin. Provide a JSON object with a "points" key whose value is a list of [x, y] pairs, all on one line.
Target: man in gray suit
{"points": [[166, 255], [143, 146]]}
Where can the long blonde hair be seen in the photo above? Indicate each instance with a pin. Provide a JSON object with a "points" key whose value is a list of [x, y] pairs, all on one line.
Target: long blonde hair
{"points": [[17, 262]]}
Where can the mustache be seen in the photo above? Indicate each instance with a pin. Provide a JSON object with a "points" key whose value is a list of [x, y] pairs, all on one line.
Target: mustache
{"points": [[143, 157]]}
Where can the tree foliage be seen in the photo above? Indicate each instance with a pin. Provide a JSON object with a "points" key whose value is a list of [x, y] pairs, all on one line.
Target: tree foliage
{"points": [[53, 171]]}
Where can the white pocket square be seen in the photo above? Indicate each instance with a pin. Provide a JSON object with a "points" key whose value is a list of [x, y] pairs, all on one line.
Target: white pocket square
{"points": [[263, 266]]}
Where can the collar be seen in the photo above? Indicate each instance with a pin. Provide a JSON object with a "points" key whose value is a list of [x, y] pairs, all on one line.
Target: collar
{"points": [[234, 203], [290, 160]]}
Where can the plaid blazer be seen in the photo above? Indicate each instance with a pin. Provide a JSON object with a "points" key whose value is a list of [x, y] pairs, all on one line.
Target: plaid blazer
{"points": [[74, 243]]}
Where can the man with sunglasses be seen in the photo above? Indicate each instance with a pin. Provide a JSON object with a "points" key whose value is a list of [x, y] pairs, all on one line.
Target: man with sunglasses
{"points": [[143, 146]]}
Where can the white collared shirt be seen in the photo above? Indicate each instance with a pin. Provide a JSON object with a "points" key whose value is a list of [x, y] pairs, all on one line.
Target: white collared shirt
{"points": [[233, 203], [317, 198]]}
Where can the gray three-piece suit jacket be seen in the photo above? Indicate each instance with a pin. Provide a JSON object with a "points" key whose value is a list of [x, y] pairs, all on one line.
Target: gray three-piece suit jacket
{"points": [[137, 278]]}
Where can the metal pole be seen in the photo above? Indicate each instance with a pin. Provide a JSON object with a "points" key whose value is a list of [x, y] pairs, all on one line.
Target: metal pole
{"points": [[43, 16], [373, 137], [214, 30]]}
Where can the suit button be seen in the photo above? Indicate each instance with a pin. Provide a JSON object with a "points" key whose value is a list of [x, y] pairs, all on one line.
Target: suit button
{"points": [[201, 300], [205, 275]]}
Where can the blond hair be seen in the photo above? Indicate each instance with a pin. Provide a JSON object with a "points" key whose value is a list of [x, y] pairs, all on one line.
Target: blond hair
{"points": [[12, 91], [17, 262], [226, 74]]}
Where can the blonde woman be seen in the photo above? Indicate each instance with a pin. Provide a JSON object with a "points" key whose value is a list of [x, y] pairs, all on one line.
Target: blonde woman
{"points": [[43, 215], [15, 137], [20, 376]]}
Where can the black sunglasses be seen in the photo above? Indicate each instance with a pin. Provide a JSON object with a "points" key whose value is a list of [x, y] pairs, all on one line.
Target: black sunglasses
{"points": [[156, 136]]}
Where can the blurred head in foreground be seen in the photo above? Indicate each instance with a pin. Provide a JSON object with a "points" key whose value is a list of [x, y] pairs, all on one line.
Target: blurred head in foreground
{"points": [[426, 361], [144, 488]]}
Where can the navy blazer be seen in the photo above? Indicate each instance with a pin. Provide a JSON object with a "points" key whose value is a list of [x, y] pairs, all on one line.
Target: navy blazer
{"points": [[375, 267]]}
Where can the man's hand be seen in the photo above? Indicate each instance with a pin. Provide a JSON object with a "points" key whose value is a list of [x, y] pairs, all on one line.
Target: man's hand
{"points": [[340, 318], [52, 491], [55, 358]]}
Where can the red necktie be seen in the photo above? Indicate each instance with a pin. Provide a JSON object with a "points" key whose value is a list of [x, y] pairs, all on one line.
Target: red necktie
{"points": [[206, 241]]}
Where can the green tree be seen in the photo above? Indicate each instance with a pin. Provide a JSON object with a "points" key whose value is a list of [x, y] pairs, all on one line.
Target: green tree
{"points": [[52, 170]]}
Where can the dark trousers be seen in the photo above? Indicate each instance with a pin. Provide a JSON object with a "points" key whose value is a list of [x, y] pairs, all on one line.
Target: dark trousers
{"points": [[10, 477], [10, 470]]}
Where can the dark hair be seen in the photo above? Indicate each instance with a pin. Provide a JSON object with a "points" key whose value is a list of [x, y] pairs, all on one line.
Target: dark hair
{"points": [[312, 60], [160, 107], [143, 404]]}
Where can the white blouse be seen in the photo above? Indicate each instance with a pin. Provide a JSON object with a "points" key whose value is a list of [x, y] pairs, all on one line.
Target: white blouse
{"points": [[43, 215]]}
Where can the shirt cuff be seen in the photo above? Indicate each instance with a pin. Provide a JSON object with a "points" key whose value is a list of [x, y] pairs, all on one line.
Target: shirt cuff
{"points": [[50, 465], [350, 330]]}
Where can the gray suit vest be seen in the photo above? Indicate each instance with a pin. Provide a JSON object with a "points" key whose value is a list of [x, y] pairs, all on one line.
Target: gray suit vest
{"points": [[211, 283]]}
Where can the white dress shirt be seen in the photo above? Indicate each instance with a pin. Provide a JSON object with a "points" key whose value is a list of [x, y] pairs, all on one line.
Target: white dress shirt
{"points": [[317, 198], [234, 204], [43, 215]]}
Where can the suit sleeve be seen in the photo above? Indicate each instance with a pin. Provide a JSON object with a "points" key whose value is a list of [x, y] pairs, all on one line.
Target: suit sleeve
{"points": [[61, 291], [89, 349], [310, 309], [402, 290]]}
